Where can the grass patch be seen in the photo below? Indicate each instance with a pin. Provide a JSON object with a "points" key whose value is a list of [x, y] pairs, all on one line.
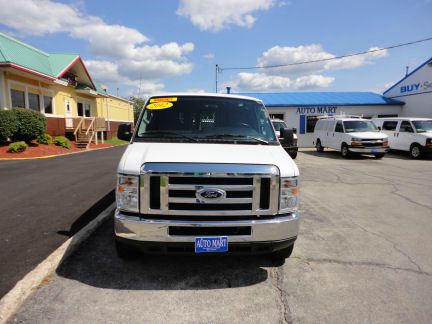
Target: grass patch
{"points": [[115, 141]]}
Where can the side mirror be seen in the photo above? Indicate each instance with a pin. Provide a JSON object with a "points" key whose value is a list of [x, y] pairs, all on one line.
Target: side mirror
{"points": [[379, 128], [294, 130], [287, 135], [124, 132]]}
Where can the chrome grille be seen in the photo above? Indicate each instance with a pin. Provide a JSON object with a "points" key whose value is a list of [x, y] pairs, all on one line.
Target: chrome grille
{"points": [[171, 189]]}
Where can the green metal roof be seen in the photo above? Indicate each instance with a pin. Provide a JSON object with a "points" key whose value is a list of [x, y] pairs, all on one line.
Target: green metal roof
{"points": [[14, 51], [60, 61]]}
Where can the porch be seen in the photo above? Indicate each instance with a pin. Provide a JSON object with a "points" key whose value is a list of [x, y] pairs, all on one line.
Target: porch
{"points": [[86, 130]]}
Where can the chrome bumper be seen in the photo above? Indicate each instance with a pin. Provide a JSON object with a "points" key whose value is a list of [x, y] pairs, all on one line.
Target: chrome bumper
{"points": [[139, 229], [368, 149]]}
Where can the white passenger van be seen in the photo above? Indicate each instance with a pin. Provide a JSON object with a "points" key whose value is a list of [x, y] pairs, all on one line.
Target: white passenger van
{"points": [[350, 134], [205, 173], [413, 135]]}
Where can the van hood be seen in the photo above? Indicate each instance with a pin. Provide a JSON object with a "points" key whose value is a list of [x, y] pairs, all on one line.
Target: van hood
{"points": [[137, 154], [369, 135]]}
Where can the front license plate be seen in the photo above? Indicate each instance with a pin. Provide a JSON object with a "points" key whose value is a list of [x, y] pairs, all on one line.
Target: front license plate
{"points": [[374, 150], [211, 244]]}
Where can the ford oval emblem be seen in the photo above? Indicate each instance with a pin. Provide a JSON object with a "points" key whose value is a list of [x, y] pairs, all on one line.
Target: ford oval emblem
{"points": [[210, 194]]}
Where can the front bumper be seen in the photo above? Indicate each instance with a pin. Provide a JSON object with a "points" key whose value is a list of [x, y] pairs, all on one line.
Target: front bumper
{"points": [[368, 150], [137, 228]]}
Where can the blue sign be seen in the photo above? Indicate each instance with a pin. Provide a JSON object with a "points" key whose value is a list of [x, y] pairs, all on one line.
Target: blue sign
{"points": [[211, 244], [427, 85]]}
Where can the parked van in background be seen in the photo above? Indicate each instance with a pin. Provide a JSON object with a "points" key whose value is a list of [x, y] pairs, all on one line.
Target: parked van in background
{"points": [[413, 135], [290, 148], [205, 173], [350, 134]]}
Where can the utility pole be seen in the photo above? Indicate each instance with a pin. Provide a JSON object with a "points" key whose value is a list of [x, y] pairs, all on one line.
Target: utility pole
{"points": [[216, 76]]}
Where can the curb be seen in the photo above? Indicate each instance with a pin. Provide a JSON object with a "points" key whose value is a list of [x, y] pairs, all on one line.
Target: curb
{"points": [[11, 302], [55, 155]]}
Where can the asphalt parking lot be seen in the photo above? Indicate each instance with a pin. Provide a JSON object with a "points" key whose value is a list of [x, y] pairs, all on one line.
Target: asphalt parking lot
{"points": [[363, 256]]}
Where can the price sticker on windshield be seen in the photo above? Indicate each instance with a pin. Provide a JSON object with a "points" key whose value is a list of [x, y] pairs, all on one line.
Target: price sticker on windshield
{"points": [[159, 105], [168, 99]]}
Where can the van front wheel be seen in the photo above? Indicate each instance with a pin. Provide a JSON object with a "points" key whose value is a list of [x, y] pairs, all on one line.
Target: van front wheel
{"points": [[345, 151], [318, 146], [415, 151]]}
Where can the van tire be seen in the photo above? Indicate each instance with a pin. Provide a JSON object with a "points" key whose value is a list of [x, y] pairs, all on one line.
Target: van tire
{"points": [[318, 146], [379, 155], [345, 151], [415, 151], [125, 252]]}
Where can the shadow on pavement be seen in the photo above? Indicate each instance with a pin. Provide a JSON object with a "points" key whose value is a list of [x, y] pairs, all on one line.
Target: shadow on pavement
{"points": [[89, 214], [332, 154], [96, 264]]}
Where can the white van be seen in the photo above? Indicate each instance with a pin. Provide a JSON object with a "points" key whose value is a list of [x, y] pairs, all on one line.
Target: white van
{"points": [[413, 135], [350, 135], [205, 173]]}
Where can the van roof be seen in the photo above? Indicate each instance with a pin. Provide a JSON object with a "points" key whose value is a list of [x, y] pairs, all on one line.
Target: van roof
{"points": [[202, 94], [402, 118]]}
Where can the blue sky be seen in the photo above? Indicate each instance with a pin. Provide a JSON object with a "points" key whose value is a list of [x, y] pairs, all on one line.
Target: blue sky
{"points": [[174, 45]]}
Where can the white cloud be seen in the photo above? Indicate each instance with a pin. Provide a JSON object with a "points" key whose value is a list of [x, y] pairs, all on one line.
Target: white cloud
{"points": [[278, 55], [308, 82], [215, 15], [303, 76], [209, 56], [123, 53], [258, 82]]}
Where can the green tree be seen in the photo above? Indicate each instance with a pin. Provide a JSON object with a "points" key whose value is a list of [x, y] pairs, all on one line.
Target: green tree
{"points": [[138, 104]]}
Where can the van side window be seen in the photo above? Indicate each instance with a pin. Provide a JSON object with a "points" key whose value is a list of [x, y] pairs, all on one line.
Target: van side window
{"points": [[339, 128], [406, 127], [389, 125]]}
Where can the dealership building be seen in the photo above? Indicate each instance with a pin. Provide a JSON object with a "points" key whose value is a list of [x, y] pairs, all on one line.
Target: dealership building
{"points": [[410, 97]]}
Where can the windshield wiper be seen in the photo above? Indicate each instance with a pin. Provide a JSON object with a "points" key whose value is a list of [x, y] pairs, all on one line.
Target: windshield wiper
{"points": [[142, 135], [256, 139]]}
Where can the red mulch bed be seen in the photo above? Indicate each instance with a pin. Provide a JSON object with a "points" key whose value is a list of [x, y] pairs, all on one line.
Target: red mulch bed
{"points": [[39, 150]]}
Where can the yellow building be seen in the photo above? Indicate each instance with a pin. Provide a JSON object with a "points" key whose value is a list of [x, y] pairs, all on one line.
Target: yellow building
{"points": [[60, 87]]}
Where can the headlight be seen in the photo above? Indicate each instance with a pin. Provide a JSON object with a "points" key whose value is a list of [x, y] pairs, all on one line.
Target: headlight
{"points": [[288, 194], [127, 192]]}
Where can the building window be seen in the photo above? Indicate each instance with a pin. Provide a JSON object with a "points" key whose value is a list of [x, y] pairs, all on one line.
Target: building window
{"points": [[386, 116], [80, 109], [48, 105], [18, 98], [87, 110], [277, 116], [84, 109], [34, 101], [310, 123]]}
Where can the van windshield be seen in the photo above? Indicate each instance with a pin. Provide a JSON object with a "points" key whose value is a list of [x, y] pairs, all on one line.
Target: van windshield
{"points": [[423, 126], [205, 119], [353, 126]]}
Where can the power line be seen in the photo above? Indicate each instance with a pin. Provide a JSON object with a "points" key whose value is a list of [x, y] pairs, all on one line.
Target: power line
{"points": [[220, 69]]}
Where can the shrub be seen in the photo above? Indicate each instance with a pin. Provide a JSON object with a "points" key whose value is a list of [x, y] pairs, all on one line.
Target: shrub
{"points": [[17, 147], [31, 124], [63, 142], [45, 139], [8, 125]]}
